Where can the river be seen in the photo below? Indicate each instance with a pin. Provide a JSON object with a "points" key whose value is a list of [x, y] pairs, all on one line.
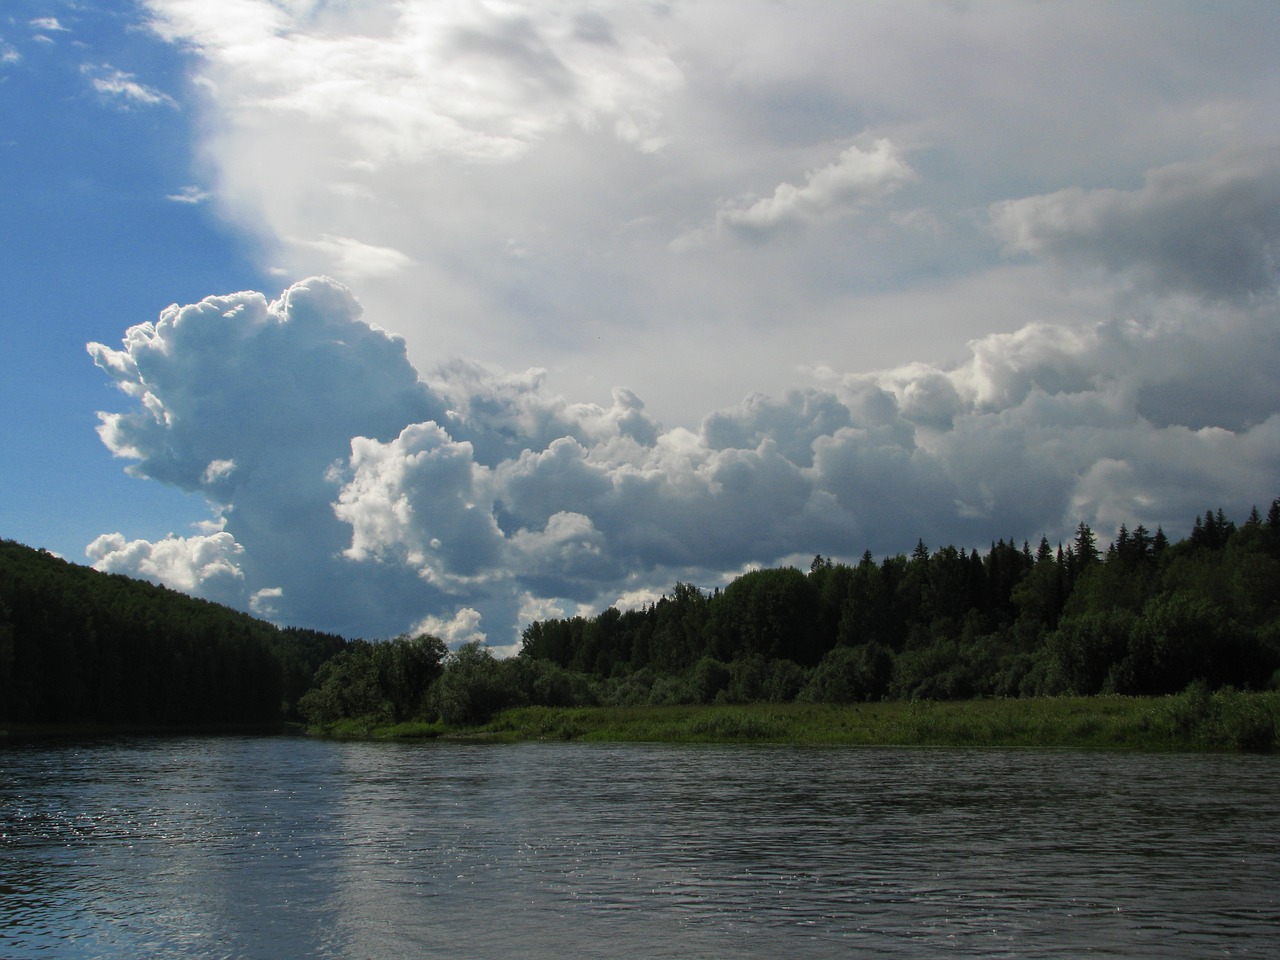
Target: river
{"points": [[281, 847]]}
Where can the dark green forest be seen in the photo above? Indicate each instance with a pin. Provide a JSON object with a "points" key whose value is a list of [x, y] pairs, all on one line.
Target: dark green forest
{"points": [[1142, 616], [80, 646]]}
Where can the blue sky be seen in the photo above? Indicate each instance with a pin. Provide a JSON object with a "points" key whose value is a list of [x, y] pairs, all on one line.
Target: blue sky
{"points": [[622, 294]]}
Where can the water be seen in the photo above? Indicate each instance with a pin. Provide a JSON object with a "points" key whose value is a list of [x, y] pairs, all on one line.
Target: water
{"points": [[287, 847]]}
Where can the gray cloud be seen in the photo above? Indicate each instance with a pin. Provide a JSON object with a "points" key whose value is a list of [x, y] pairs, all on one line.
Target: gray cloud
{"points": [[1209, 228], [504, 183]]}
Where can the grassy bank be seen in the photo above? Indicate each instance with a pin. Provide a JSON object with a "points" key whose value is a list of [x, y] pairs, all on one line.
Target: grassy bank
{"points": [[1191, 721]]}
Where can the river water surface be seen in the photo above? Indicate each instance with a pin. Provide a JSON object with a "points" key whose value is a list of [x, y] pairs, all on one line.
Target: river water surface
{"points": [[280, 847]]}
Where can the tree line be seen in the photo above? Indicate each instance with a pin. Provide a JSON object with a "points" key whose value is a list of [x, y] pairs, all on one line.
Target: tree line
{"points": [[1142, 616]]}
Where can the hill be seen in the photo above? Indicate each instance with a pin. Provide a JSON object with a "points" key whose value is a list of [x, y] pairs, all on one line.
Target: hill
{"points": [[81, 646]]}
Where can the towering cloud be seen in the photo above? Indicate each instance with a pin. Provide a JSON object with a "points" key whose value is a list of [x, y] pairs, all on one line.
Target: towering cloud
{"points": [[356, 496], [927, 239]]}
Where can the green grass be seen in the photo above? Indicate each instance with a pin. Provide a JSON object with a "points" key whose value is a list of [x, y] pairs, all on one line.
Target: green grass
{"points": [[1191, 721], [1194, 720], [366, 728]]}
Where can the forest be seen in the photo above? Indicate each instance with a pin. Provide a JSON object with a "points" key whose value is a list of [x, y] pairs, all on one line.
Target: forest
{"points": [[80, 646], [1142, 616]]}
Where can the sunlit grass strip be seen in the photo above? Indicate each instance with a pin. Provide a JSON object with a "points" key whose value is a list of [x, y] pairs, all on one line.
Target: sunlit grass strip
{"points": [[1194, 720]]}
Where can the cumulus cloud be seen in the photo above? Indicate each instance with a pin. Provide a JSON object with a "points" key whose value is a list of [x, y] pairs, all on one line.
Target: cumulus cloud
{"points": [[346, 482], [420, 493], [265, 603], [250, 403], [205, 563], [502, 182], [462, 627]]}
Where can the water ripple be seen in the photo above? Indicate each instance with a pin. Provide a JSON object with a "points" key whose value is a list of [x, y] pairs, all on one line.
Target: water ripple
{"points": [[279, 847]]}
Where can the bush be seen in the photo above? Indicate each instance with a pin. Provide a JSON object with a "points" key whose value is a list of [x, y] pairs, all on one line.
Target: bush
{"points": [[473, 687], [383, 682], [707, 679], [850, 675], [1227, 719], [544, 683]]}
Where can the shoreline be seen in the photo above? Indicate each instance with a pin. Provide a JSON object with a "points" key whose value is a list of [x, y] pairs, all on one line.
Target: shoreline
{"points": [[12, 733], [1226, 721], [1193, 721]]}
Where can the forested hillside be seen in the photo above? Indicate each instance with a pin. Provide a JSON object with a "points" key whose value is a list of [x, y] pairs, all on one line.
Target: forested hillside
{"points": [[1143, 616], [77, 646]]}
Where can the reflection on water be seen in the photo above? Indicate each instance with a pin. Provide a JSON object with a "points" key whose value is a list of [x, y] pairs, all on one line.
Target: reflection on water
{"points": [[288, 847]]}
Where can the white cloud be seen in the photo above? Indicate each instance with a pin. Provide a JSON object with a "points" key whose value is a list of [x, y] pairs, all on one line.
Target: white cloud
{"points": [[216, 471], [486, 493], [278, 389], [199, 564], [463, 627], [352, 258], [420, 494], [265, 603], [124, 89], [1063, 307], [854, 180], [412, 147], [482, 83], [47, 23], [189, 194]]}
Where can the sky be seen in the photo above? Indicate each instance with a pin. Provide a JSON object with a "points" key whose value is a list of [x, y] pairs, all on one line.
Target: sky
{"points": [[376, 316]]}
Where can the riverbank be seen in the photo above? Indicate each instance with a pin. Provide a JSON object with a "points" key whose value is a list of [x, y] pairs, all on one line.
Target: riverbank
{"points": [[1191, 721], [25, 732]]}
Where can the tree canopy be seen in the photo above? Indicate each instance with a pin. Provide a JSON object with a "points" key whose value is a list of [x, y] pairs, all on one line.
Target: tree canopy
{"points": [[1142, 617]]}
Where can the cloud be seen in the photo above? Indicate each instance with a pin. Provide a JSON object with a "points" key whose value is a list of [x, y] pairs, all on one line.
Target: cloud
{"points": [[503, 182], [265, 603], [189, 194], [854, 180], [123, 88], [462, 627], [420, 494], [47, 23], [482, 84], [206, 563], [250, 403], [356, 259], [353, 491], [1029, 261], [1208, 228]]}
